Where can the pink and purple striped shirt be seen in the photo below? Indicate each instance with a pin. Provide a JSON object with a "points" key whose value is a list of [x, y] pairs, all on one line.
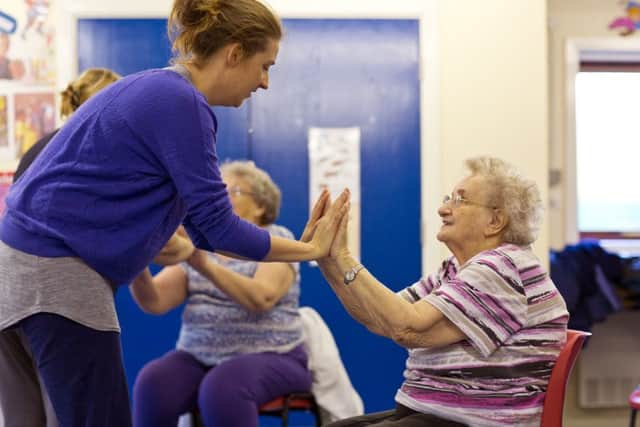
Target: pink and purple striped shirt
{"points": [[515, 321]]}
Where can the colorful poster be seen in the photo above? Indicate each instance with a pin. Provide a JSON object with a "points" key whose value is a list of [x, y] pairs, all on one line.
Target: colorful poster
{"points": [[27, 76], [34, 118], [27, 52]]}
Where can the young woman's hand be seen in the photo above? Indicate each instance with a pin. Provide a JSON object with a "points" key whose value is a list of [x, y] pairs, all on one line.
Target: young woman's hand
{"points": [[177, 249], [319, 209]]}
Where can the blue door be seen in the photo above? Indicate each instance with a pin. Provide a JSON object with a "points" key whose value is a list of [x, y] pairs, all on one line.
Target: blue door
{"points": [[329, 73]]}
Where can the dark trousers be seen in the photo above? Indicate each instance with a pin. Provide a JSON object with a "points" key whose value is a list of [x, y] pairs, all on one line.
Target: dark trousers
{"points": [[81, 369], [399, 417]]}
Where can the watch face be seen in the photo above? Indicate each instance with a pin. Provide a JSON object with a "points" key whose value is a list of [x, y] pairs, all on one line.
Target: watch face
{"points": [[350, 275]]}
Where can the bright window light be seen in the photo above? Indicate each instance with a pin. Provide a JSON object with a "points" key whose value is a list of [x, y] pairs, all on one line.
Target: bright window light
{"points": [[608, 151]]}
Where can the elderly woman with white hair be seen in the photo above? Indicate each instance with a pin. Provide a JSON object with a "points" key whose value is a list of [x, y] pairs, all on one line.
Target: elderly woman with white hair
{"points": [[485, 330], [240, 342]]}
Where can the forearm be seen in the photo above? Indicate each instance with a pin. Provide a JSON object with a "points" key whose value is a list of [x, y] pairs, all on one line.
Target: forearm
{"points": [[442, 333], [145, 293], [349, 301], [157, 296], [411, 325], [366, 299], [287, 250], [252, 294]]}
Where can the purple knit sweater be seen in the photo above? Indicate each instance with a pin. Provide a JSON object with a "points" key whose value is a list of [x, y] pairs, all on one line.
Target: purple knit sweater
{"points": [[129, 166]]}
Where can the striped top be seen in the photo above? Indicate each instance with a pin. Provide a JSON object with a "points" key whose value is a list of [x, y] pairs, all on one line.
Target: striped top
{"points": [[515, 322], [215, 327]]}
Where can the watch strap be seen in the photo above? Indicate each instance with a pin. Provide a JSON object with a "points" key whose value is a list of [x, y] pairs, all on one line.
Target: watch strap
{"points": [[350, 274]]}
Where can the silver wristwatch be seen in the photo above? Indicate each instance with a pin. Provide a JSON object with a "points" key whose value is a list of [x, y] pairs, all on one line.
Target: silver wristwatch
{"points": [[350, 275]]}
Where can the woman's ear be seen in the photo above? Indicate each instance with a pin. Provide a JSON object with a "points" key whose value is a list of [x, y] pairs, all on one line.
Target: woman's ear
{"points": [[235, 54], [497, 223]]}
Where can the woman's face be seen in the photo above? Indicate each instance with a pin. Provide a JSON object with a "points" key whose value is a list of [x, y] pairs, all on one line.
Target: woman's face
{"points": [[251, 74], [464, 223], [241, 196]]}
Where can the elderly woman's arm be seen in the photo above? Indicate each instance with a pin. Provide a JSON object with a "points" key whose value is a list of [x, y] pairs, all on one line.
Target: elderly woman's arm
{"points": [[381, 310], [384, 312], [159, 294], [258, 293]]}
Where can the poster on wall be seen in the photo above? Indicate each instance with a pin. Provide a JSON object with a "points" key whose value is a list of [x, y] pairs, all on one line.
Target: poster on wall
{"points": [[27, 52], [334, 164], [27, 76], [33, 118]]}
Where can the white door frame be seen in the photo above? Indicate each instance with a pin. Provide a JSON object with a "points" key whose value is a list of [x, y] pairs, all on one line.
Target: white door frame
{"points": [[575, 49]]}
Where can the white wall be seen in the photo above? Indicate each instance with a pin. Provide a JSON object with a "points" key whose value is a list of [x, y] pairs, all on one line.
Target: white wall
{"points": [[484, 81], [575, 24]]}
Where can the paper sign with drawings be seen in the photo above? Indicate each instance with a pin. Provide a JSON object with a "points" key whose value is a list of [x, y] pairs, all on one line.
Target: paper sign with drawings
{"points": [[334, 163]]}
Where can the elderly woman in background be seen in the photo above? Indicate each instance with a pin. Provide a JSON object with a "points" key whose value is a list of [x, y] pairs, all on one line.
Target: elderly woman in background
{"points": [[240, 343], [485, 330]]}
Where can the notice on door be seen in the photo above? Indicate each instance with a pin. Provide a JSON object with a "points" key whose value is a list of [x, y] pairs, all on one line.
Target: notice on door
{"points": [[334, 164]]}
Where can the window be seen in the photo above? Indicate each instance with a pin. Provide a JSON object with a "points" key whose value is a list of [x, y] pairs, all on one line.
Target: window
{"points": [[608, 150]]}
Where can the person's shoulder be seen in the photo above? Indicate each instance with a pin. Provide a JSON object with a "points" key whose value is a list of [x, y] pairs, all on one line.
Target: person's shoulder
{"points": [[280, 231], [519, 255], [159, 84]]}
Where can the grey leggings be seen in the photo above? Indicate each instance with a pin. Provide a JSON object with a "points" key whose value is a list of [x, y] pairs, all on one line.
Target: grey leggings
{"points": [[23, 400]]}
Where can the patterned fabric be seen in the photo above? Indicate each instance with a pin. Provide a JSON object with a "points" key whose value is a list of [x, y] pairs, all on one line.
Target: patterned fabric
{"points": [[216, 328], [515, 321]]}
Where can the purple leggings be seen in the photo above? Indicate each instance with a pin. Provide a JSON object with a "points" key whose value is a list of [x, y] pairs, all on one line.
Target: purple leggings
{"points": [[227, 395]]}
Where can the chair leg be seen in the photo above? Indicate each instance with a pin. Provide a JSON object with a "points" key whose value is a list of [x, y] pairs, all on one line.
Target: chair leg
{"points": [[285, 412], [632, 422]]}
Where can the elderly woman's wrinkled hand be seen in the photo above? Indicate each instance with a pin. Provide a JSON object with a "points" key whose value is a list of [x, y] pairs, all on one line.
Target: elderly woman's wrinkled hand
{"points": [[339, 246], [198, 259], [327, 226]]}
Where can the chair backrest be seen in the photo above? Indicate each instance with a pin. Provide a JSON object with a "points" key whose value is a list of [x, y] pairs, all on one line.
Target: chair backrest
{"points": [[554, 399]]}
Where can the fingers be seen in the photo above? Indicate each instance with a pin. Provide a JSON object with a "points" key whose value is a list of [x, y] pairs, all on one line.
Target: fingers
{"points": [[182, 232], [336, 211], [318, 211], [339, 244], [320, 207], [327, 204], [344, 222]]}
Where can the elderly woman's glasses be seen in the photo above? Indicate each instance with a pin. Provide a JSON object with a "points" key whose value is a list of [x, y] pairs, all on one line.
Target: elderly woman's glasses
{"points": [[458, 199]]}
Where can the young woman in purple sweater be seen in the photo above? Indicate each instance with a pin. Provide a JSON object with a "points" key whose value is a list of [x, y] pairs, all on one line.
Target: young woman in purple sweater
{"points": [[101, 200]]}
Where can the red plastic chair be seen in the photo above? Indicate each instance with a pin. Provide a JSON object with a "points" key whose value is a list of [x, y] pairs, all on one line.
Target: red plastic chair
{"points": [[634, 403], [280, 407], [554, 399]]}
